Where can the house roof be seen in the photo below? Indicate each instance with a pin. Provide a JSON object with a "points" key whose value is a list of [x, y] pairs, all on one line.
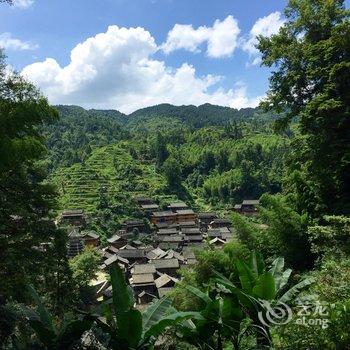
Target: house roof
{"points": [[175, 205], [194, 238], [140, 295], [221, 221], [167, 231], [185, 212], [115, 258], [115, 238], [251, 202], [133, 222], [132, 253], [166, 263], [187, 224], [112, 249], [165, 213], [237, 206], [74, 212], [168, 245], [91, 234], [214, 233], [174, 238], [164, 291], [217, 240], [150, 206], [163, 280], [75, 234], [155, 253], [207, 216], [191, 230], [142, 278], [143, 268]]}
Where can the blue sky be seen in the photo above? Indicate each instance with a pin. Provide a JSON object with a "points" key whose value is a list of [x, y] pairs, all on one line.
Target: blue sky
{"points": [[211, 59]]}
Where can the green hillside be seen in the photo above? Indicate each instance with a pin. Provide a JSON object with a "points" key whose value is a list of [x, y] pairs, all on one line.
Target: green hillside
{"points": [[108, 171]]}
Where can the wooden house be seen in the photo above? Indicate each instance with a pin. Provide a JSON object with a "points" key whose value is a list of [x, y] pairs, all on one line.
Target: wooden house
{"points": [[188, 231], [144, 298], [162, 292], [250, 206], [139, 269], [133, 255], [117, 241], [204, 219], [165, 281], [217, 242], [73, 218], [177, 206], [75, 243], [186, 224], [143, 282], [184, 215], [91, 238], [168, 245], [141, 200], [167, 217], [217, 223], [167, 231], [130, 226], [168, 266], [193, 239]]}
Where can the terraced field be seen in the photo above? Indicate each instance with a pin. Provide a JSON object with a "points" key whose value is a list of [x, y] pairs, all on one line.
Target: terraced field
{"points": [[109, 169]]}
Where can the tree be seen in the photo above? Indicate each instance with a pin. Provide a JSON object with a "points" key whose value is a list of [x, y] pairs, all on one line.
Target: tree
{"points": [[161, 150], [25, 200], [311, 54], [172, 172], [84, 266]]}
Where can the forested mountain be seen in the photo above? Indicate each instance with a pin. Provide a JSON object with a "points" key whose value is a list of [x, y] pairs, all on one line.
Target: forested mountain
{"points": [[71, 138]]}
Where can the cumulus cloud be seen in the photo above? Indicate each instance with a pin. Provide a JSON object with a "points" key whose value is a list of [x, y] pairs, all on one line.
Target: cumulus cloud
{"points": [[115, 69], [7, 41], [221, 38], [23, 4], [265, 26]]}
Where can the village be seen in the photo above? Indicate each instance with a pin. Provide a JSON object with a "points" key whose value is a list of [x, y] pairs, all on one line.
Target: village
{"points": [[152, 250]]}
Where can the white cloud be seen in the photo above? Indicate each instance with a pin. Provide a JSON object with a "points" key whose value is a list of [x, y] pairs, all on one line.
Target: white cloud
{"points": [[265, 26], [115, 69], [10, 43], [221, 38], [23, 4]]}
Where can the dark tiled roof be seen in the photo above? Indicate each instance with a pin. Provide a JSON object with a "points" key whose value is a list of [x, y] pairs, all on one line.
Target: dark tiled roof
{"points": [[166, 263], [163, 213], [251, 202]]}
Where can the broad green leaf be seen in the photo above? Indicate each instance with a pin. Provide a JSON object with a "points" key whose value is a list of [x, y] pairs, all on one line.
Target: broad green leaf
{"points": [[44, 315], [265, 287], [283, 280], [291, 293], [157, 328], [277, 267], [45, 335], [129, 327], [72, 331], [256, 263], [154, 312], [246, 276], [121, 296], [198, 293]]}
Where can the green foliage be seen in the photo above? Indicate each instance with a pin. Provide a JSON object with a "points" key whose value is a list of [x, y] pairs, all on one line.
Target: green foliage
{"points": [[311, 53], [84, 266], [25, 200], [331, 239], [64, 336]]}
